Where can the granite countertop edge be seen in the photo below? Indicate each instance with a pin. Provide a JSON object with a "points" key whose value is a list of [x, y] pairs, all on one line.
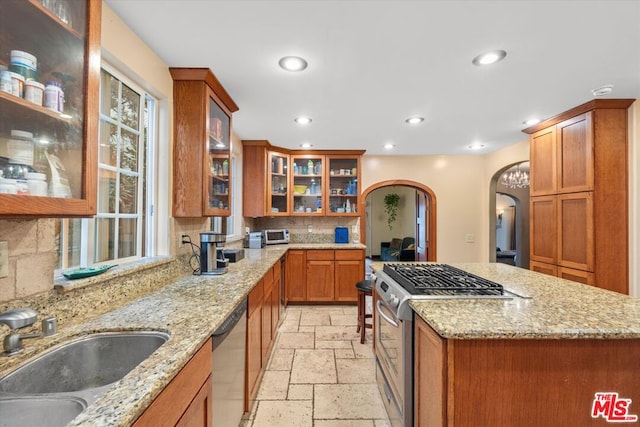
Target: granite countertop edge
{"points": [[189, 309], [556, 309]]}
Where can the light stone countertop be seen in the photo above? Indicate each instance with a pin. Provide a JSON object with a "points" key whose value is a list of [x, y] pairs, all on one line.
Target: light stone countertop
{"points": [[190, 309], [557, 309]]}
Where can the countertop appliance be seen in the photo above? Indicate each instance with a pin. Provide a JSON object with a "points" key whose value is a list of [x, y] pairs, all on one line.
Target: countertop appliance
{"points": [[276, 236], [229, 347], [396, 285], [255, 240], [212, 260]]}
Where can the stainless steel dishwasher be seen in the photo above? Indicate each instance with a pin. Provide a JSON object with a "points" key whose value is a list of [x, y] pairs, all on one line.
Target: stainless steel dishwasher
{"points": [[229, 345]]}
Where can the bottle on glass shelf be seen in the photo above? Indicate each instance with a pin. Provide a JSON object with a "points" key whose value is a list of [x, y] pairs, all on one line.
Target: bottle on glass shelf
{"points": [[310, 167]]}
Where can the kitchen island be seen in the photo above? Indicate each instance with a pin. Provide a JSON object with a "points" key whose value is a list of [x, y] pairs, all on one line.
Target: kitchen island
{"points": [[563, 354], [189, 309]]}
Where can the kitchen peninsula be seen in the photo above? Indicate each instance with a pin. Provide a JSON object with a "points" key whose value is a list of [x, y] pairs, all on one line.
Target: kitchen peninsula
{"points": [[540, 359]]}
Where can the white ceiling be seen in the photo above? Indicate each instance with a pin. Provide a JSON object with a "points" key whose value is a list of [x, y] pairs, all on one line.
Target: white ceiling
{"points": [[373, 63]]}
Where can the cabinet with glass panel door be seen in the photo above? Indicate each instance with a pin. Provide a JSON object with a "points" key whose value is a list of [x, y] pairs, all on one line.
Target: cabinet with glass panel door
{"points": [[202, 153], [277, 187], [48, 143], [307, 184], [344, 188]]}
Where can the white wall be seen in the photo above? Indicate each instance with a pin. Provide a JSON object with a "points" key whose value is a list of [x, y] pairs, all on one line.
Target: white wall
{"points": [[461, 187]]}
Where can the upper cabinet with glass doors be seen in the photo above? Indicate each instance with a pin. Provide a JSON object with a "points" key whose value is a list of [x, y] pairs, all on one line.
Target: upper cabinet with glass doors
{"points": [[49, 86], [202, 138], [343, 189], [307, 184]]}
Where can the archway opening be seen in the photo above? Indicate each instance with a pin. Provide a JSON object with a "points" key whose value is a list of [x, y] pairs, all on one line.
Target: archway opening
{"points": [[423, 218]]}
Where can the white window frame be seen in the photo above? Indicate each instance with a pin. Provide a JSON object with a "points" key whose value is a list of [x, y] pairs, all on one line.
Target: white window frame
{"points": [[150, 173]]}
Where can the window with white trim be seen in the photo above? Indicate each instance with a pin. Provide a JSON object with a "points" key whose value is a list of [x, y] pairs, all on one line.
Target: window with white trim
{"points": [[120, 231]]}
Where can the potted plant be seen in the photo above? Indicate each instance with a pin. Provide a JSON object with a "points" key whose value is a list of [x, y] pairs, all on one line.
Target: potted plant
{"points": [[391, 202]]}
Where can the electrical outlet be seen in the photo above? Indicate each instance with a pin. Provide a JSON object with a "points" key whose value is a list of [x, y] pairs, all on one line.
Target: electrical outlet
{"points": [[4, 259], [470, 238], [183, 239], [309, 228]]}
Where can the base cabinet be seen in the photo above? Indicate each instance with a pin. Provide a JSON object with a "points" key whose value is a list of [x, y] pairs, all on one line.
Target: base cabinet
{"points": [[324, 275], [263, 317], [511, 382], [186, 401]]}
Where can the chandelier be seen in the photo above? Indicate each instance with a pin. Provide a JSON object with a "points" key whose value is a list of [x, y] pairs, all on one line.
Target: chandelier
{"points": [[515, 179]]}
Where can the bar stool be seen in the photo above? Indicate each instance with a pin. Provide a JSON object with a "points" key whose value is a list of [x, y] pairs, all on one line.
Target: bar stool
{"points": [[364, 288]]}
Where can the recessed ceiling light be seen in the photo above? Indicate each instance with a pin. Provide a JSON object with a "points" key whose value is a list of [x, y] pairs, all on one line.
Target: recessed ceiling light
{"points": [[602, 90], [388, 146], [489, 57], [414, 120], [306, 145], [292, 63], [302, 120], [531, 122], [476, 146]]}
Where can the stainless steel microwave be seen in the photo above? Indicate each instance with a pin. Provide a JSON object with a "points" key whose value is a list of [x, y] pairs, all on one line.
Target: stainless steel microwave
{"points": [[276, 236]]}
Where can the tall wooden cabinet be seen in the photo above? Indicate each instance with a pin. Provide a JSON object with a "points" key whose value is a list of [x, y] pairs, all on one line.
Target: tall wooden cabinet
{"points": [[265, 183], [58, 142], [579, 194], [202, 144]]}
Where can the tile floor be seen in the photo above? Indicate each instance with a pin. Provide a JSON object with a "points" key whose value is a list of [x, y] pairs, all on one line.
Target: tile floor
{"points": [[319, 374]]}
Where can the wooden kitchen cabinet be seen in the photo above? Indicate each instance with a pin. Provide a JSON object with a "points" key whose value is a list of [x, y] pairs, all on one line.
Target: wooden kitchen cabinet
{"points": [[296, 283], [343, 190], [324, 275], [267, 330], [544, 268], [202, 144], [276, 298], [579, 177], [349, 270], [265, 185], [320, 275], [280, 182], [66, 44], [307, 184], [186, 401], [511, 382]]}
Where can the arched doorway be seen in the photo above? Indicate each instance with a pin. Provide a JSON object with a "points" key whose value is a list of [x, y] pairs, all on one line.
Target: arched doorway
{"points": [[424, 231], [520, 234]]}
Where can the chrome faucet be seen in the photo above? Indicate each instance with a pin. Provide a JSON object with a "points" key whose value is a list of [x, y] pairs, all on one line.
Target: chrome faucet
{"points": [[19, 318]]}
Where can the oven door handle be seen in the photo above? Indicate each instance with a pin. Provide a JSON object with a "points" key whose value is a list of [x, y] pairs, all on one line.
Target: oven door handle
{"points": [[384, 316]]}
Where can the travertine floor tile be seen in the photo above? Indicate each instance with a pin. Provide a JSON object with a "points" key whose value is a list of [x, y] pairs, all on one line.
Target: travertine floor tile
{"points": [[274, 385], [343, 423], [296, 340], [315, 318], [382, 423], [278, 413], [344, 320], [311, 329], [333, 344], [331, 333], [344, 353], [347, 401], [313, 366], [300, 392], [289, 326], [356, 371], [363, 351], [281, 359]]}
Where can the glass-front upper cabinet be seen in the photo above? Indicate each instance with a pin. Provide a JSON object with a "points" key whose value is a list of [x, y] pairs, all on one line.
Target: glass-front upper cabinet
{"points": [[344, 189], [307, 184], [49, 86], [219, 161], [278, 184], [202, 144]]}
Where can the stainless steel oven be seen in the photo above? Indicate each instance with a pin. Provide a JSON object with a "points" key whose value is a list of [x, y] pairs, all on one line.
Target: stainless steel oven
{"points": [[396, 285], [394, 362]]}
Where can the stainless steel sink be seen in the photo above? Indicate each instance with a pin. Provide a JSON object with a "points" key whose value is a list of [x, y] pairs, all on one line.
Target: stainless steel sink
{"points": [[42, 411], [85, 363]]}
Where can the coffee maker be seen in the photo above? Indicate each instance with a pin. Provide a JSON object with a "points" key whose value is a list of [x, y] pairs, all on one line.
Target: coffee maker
{"points": [[212, 260]]}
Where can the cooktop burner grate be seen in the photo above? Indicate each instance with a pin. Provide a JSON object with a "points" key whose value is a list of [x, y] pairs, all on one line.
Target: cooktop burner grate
{"points": [[440, 279]]}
